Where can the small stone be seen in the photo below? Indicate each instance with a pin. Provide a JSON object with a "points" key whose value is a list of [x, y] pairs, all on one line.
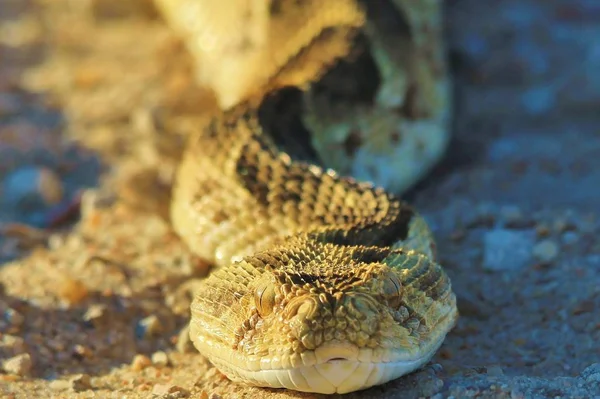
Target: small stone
{"points": [[87, 76], [149, 327], [55, 241], [83, 351], [214, 396], [542, 230], [160, 358], [584, 306], [483, 214], [511, 215], [12, 343], [140, 362], [545, 251], [81, 382], [18, 365], [563, 224], [184, 343], [96, 314], [60, 385], [436, 368], [507, 249], [56, 343], [13, 317], [169, 391], [30, 188], [495, 371], [570, 238], [73, 291]]}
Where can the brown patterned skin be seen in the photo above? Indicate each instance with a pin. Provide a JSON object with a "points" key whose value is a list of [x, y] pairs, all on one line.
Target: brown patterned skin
{"points": [[323, 284]]}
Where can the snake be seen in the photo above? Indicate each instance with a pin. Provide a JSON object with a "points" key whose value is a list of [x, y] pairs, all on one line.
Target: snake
{"points": [[322, 283]]}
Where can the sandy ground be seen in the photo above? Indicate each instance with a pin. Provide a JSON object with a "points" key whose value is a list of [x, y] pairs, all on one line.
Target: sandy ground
{"points": [[95, 98]]}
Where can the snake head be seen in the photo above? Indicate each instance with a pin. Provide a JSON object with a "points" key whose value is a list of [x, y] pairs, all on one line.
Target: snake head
{"points": [[340, 316]]}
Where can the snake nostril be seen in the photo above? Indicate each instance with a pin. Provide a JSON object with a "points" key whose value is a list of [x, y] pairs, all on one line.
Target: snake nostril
{"points": [[336, 359]]}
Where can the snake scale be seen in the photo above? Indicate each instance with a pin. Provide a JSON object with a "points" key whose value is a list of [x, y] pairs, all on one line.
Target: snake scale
{"points": [[323, 283]]}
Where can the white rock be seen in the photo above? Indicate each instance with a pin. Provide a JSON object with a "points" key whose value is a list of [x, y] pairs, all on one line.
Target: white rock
{"points": [[18, 365], [545, 251], [507, 249]]}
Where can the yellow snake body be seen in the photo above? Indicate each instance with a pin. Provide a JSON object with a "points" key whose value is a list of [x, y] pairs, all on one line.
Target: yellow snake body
{"points": [[323, 284]]}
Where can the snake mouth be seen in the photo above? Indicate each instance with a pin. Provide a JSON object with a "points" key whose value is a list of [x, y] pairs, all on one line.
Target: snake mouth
{"points": [[336, 352], [338, 368], [337, 375]]}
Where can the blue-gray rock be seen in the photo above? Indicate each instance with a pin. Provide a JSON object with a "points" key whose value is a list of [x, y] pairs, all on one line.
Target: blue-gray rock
{"points": [[507, 249], [31, 188]]}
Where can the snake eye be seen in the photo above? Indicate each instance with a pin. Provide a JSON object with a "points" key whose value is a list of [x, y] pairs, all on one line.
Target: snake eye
{"points": [[392, 289], [264, 298]]}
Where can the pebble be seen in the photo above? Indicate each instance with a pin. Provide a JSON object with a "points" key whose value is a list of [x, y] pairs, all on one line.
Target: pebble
{"points": [[545, 251], [81, 382], [83, 351], [542, 230], [160, 358], [73, 291], [570, 238], [436, 368], [55, 241], [483, 214], [60, 385], [18, 365], [561, 225], [96, 314], [149, 326], [184, 343], [13, 317], [140, 362], [495, 371], [511, 215], [12, 343], [30, 188], [507, 249], [169, 391]]}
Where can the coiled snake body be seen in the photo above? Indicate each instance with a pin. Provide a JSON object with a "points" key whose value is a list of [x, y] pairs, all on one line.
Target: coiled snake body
{"points": [[323, 284]]}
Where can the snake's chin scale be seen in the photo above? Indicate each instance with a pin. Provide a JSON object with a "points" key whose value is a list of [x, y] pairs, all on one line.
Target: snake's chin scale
{"points": [[338, 375]]}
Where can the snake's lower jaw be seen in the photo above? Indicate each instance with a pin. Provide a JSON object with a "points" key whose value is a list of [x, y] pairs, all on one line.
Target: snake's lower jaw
{"points": [[330, 369], [334, 376]]}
